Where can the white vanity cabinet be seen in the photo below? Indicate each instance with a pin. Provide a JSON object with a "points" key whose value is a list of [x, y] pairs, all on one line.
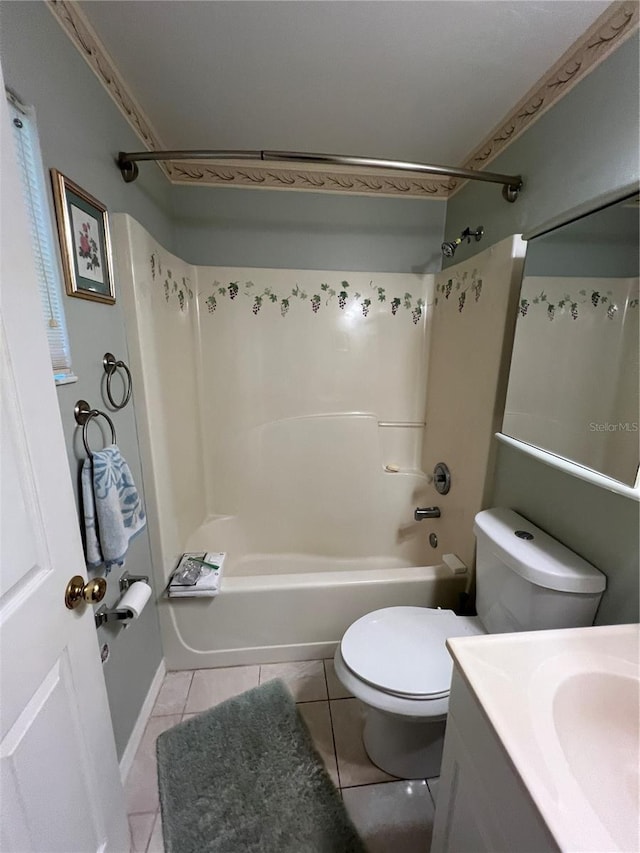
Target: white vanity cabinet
{"points": [[542, 748], [482, 803]]}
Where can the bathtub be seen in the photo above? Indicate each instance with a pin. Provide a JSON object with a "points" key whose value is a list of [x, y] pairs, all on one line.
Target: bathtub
{"points": [[284, 607], [294, 445]]}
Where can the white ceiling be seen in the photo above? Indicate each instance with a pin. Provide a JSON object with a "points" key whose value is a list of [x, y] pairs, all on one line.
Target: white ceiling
{"points": [[423, 80]]}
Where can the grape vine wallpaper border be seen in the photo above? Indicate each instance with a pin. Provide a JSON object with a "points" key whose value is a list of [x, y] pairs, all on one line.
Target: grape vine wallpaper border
{"points": [[460, 285], [342, 295], [585, 297], [324, 295]]}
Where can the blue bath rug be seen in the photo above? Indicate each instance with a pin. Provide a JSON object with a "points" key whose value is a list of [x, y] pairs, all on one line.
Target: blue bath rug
{"points": [[244, 777]]}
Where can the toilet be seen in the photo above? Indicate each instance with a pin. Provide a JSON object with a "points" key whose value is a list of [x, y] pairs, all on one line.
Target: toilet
{"points": [[395, 660]]}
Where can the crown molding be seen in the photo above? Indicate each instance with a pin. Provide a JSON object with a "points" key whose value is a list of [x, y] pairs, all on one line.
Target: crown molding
{"points": [[84, 37], [291, 177], [618, 22]]}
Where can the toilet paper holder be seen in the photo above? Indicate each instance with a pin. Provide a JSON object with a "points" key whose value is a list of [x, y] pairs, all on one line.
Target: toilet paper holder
{"points": [[126, 580], [119, 614]]}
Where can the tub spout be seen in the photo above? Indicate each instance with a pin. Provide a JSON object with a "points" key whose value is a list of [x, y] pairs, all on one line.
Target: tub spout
{"points": [[426, 512]]}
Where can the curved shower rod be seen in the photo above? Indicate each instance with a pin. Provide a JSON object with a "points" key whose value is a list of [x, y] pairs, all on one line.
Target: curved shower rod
{"points": [[127, 163]]}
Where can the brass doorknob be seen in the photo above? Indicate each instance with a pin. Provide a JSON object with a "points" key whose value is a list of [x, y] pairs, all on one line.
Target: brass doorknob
{"points": [[77, 590]]}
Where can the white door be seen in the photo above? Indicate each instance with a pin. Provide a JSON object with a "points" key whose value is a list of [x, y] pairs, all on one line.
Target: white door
{"points": [[61, 787]]}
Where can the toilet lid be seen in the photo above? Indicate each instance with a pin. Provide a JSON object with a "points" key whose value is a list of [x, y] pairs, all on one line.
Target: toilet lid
{"points": [[402, 649]]}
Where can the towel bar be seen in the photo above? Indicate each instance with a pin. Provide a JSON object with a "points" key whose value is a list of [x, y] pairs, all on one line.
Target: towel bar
{"points": [[84, 414], [111, 364]]}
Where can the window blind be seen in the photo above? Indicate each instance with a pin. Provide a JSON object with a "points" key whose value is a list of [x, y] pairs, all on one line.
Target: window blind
{"points": [[46, 262]]}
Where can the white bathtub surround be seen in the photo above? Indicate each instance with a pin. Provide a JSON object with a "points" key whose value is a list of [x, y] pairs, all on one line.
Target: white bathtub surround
{"points": [[471, 335], [267, 426], [270, 403]]}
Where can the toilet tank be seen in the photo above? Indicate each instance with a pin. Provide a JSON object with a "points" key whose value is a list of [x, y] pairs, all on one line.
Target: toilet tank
{"points": [[526, 580]]}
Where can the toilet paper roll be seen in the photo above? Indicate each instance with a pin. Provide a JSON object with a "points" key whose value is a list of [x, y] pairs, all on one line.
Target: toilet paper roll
{"points": [[135, 598]]}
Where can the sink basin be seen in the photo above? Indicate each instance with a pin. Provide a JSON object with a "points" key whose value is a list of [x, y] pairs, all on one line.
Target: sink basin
{"points": [[596, 717], [566, 706]]}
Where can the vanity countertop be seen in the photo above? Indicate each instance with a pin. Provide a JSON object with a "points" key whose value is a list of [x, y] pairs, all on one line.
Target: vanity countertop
{"points": [[566, 707]]}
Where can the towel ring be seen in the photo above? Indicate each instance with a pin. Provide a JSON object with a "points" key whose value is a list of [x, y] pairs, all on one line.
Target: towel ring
{"points": [[110, 365], [84, 414]]}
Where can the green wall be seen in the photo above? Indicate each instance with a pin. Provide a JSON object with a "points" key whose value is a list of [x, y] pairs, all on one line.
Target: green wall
{"points": [[603, 244], [580, 154], [80, 132], [599, 525], [299, 230]]}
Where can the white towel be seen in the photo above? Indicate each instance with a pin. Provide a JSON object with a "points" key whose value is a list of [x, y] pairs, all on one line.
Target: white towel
{"points": [[113, 510]]}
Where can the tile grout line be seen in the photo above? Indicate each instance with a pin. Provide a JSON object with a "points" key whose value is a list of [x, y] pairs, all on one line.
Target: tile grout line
{"points": [[186, 696], [184, 706], [153, 826], [309, 701], [186, 701], [363, 784], [381, 782], [333, 737]]}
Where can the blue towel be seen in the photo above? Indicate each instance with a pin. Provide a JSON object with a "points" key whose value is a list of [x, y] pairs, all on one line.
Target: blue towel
{"points": [[113, 510]]}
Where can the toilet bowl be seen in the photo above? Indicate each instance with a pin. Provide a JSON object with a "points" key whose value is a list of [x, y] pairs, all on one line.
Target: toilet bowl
{"points": [[395, 659]]}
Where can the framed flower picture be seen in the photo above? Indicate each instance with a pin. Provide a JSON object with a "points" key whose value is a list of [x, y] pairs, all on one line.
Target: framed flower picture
{"points": [[83, 229]]}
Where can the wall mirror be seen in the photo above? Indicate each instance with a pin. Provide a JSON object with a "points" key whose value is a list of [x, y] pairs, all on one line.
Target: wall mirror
{"points": [[573, 383]]}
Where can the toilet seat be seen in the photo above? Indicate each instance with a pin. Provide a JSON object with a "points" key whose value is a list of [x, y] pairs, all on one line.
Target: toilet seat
{"points": [[401, 650], [399, 706], [395, 659]]}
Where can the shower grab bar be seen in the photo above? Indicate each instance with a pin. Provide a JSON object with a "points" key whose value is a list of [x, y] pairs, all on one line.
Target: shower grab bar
{"points": [[511, 184], [84, 414], [405, 424], [110, 365]]}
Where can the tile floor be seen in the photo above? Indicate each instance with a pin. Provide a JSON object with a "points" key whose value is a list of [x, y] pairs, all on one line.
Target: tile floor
{"points": [[390, 814]]}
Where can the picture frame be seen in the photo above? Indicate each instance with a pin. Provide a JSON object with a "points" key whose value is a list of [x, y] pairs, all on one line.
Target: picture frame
{"points": [[85, 244]]}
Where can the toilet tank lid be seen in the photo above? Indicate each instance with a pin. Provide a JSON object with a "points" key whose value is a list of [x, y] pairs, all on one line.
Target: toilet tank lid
{"points": [[542, 560]]}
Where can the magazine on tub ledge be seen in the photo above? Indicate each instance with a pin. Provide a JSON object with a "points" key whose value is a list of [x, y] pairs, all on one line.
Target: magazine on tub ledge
{"points": [[197, 575]]}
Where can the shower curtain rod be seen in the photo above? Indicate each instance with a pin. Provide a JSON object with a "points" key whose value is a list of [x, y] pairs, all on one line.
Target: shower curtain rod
{"points": [[127, 160]]}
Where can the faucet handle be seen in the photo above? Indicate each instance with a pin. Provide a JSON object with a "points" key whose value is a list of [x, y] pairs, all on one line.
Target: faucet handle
{"points": [[426, 512]]}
